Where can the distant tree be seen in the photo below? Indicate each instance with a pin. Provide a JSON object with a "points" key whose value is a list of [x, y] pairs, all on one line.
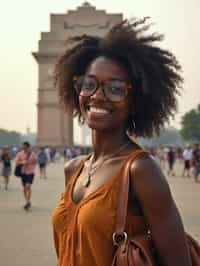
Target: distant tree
{"points": [[191, 125], [8, 138]]}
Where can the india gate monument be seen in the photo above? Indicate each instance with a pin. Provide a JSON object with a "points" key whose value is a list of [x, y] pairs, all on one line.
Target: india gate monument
{"points": [[54, 127]]}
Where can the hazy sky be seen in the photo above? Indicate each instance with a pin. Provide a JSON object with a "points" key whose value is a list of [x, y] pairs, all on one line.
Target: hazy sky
{"points": [[21, 22]]}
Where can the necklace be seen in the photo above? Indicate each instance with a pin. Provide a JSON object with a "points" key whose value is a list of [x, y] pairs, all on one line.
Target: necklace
{"points": [[92, 169]]}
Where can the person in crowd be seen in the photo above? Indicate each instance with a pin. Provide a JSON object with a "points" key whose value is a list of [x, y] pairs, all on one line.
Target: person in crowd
{"points": [[57, 155], [52, 154], [196, 162], [42, 161], [120, 85], [65, 154], [68, 153], [171, 157], [179, 154], [28, 160], [187, 156], [161, 156], [48, 151], [6, 166]]}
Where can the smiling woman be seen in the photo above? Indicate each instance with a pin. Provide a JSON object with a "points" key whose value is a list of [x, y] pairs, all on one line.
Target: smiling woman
{"points": [[104, 106], [119, 85]]}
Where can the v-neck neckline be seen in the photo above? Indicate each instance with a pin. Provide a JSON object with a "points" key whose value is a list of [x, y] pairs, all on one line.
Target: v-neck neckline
{"points": [[107, 183]]}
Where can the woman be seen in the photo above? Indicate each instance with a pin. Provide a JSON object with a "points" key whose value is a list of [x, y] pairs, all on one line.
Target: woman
{"points": [[7, 168], [119, 85]]}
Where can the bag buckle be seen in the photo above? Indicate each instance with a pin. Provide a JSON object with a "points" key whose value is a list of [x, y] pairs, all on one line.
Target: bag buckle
{"points": [[118, 238]]}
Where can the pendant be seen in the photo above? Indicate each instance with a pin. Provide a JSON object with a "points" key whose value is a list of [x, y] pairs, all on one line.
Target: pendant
{"points": [[87, 181]]}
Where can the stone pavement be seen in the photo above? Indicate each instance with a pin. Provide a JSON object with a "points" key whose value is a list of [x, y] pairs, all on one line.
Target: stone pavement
{"points": [[26, 237]]}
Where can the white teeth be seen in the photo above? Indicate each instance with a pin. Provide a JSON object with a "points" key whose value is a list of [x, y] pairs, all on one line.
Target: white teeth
{"points": [[98, 110]]}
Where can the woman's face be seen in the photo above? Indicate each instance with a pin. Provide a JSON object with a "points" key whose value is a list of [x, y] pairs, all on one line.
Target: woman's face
{"points": [[108, 109]]}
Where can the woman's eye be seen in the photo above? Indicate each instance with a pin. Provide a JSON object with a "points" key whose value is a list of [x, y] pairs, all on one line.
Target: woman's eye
{"points": [[117, 90]]}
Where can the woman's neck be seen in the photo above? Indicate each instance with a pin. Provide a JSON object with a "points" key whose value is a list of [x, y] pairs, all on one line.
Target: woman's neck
{"points": [[105, 143]]}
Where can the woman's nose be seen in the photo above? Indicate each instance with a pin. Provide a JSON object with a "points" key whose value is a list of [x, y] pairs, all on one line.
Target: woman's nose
{"points": [[99, 93]]}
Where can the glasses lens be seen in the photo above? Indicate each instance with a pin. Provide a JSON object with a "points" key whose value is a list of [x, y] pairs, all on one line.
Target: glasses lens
{"points": [[85, 85], [115, 90]]}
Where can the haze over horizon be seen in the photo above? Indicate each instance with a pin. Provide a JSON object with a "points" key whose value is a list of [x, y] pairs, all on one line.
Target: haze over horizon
{"points": [[22, 21]]}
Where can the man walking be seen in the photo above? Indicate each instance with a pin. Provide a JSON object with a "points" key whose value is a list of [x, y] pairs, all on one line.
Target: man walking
{"points": [[27, 159], [187, 156]]}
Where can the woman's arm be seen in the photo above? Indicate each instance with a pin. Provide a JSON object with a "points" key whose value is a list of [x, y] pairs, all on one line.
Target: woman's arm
{"points": [[160, 211]]}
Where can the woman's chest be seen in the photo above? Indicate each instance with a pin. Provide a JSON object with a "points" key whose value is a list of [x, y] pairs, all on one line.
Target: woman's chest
{"points": [[88, 183], [92, 212], [96, 213]]}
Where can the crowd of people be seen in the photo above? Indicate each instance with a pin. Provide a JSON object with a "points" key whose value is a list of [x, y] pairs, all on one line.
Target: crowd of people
{"points": [[188, 158], [167, 156], [22, 162]]}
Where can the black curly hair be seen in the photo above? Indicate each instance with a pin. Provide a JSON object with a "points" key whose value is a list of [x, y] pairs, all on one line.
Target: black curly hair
{"points": [[155, 73]]}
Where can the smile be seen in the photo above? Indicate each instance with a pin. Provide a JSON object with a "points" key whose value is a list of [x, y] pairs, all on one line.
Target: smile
{"points": [[93, 109]]}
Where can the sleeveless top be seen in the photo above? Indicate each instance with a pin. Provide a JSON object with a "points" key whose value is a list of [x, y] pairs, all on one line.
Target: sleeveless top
{"points": [[83, 231]]}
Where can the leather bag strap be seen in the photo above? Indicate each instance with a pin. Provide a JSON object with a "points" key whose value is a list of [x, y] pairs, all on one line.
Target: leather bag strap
{"points": [[124, 192]]}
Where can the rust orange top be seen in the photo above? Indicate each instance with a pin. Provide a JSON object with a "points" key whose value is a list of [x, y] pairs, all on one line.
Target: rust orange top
{"points": [[83, 231]]}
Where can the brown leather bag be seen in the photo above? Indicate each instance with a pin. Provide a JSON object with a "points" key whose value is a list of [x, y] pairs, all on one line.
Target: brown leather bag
{"points": [[138, 250]]}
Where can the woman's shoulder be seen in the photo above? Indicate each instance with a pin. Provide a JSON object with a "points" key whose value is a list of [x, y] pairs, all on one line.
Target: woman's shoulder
{"points": [[144, 164], [73, 165], [148, 178], [70, 164], [136, 151]]}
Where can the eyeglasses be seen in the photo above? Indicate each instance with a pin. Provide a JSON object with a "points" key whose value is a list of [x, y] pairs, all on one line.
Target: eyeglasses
{"points": [[114, 90]]}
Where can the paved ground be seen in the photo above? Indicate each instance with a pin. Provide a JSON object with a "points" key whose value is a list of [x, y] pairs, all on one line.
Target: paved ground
{"points": [[26, 238]]}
